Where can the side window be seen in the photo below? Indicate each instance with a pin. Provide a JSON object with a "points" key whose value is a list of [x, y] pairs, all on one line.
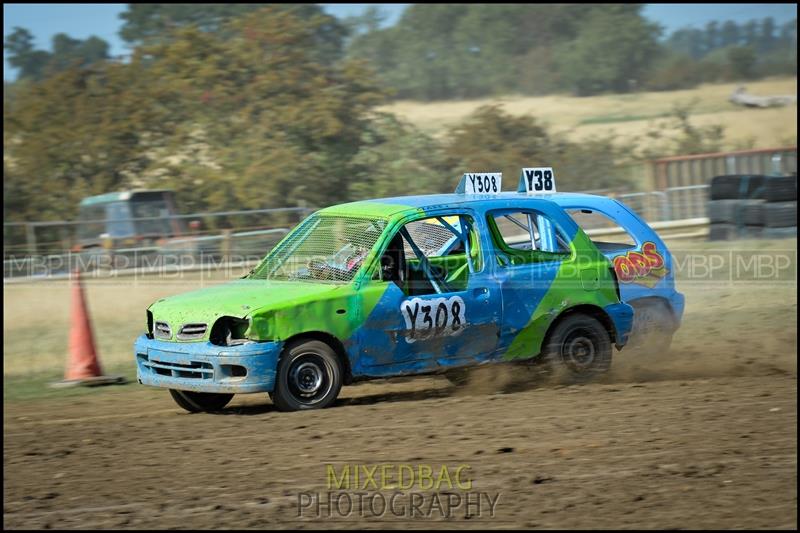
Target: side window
{"points": [[604, 232], [433, 255], [526, 236]]}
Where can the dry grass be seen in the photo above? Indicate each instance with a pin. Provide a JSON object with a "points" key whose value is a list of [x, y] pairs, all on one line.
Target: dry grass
{"points": [[36, 318], [630, 115]]}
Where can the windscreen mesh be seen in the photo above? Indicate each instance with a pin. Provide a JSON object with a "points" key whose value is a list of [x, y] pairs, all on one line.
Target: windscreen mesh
{"points": [[322, 248], [429, 235]]}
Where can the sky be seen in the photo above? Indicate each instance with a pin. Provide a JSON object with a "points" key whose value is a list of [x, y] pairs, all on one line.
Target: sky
{"points": [[83, 20]]}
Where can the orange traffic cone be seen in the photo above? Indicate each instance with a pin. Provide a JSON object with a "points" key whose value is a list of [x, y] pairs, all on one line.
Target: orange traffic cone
{"points": [[83, 367]]}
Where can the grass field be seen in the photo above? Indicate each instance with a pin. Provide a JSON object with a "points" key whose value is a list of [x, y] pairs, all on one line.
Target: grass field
{"points": [[36, 316], [631, 115]]}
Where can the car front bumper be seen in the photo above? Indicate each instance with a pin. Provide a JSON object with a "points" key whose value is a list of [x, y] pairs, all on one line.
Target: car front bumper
{"points": [[206, 367]]}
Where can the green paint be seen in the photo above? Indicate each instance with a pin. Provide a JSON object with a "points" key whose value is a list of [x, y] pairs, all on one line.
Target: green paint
{"points": [[280, 309], [564, 294]]}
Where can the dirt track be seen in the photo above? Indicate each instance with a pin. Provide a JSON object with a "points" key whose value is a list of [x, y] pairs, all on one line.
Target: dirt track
{"points": [[703, 437], [712, 452]]}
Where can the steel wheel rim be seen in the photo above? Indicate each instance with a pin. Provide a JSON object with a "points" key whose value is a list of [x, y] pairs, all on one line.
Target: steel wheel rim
{"points": [[309, 378], [579, 350]]}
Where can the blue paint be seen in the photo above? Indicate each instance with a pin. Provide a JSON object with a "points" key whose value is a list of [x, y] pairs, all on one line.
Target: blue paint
{"points": [[621, 315], [641, 233], [499, 303], [380, 346], [204, 367]]}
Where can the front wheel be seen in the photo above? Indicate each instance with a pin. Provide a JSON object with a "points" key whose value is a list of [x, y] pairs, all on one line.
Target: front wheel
{"points": [[196, 402], [578, 348], [309, 377]]}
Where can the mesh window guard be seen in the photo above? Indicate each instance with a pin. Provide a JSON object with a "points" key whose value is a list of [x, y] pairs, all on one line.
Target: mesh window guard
{"points": [[324, 248]]}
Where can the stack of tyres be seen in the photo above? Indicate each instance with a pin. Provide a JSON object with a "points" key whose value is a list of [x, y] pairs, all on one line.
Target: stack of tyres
{"points": [[780, 207], [748, 206]]}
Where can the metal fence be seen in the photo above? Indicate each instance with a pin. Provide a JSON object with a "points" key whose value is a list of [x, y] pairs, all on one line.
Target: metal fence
{"points": [[47, 249], [56, 236], [674, 203], [241, 237], [689, 170]]}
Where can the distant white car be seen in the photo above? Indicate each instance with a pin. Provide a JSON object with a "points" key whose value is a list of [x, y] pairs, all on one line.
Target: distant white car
{"points": [[740, 97]]}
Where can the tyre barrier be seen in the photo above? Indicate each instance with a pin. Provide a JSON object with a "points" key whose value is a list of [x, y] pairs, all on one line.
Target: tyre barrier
{"points": [[747, 206], [722, 232], [735, 186], [723, 211], [780, 189], [780, 214], [753, 212]]}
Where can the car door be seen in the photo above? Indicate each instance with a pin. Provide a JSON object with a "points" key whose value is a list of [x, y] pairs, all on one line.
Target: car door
{"points": [[529, 252], [445, 308]]}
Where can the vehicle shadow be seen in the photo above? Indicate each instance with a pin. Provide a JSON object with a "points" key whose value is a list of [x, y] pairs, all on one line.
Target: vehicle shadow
{"points": [[401, 396], [486, 381], [250, 409]]}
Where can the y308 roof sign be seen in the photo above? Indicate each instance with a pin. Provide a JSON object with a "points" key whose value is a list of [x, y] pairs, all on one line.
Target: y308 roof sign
{"points": [[533, 180]]}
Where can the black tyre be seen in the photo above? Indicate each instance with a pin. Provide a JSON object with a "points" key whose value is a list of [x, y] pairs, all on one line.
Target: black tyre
{"points": [[309, 377], [736, 186], [722, 232], [780, 188], [780, 214], [753, 212], [780, 233], [653, 327], [724, 211], [196, 402], [578, 348]]}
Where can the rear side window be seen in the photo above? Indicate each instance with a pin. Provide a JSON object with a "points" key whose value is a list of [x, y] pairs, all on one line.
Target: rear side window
{"points": [[604, 232], [527, 236]]}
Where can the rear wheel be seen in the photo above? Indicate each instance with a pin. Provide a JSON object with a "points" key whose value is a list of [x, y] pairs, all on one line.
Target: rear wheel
{"points": [[309, 377], [578, 348], [196, 402]]}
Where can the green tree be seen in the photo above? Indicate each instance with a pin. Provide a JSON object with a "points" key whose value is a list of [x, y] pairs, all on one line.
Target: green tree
{"points": [[614, 49], [156, 23], [677, 135], [396, 159], [729, 35], [767, 38], [21, 54], [67, 52], [441, 51], [742, 60], [712, 36], [282, 124], [491, 140]]}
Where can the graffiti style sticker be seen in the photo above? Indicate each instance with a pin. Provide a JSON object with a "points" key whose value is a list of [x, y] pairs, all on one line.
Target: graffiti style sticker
{"points": [[645, 267], [433, 317]]}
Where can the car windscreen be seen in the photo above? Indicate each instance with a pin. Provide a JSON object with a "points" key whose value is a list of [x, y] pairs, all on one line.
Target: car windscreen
{"points": [[323, 248]]}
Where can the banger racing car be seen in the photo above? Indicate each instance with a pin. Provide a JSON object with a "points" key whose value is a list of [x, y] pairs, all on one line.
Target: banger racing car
{"points": [[418, 285]]}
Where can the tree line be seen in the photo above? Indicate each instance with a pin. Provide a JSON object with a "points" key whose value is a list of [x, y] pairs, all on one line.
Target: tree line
{"points": [[252, 106]]}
